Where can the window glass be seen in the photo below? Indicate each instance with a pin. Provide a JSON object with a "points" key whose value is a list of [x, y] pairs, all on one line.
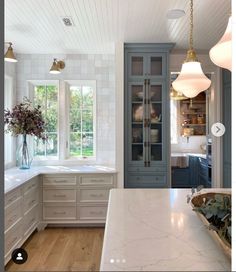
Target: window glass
{"points": [[81, 116], [47, 97]]}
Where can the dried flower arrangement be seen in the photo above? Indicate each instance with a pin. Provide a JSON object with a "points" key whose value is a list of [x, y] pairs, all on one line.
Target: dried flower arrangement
{"points": [[24, 119]]}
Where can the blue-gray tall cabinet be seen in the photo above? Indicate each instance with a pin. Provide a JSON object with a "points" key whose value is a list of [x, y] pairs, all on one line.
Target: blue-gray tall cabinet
{"points": [[147, 115]]}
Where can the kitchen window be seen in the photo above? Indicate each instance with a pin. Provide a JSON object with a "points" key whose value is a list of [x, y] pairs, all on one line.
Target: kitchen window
{"points": [[69, 112]]}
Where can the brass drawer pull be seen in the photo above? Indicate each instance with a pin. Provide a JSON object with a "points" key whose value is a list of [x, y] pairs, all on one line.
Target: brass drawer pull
{"points": [[96, 195], [59, 212], [96, 213], [32, 202], [97, 180], [56, 195]]}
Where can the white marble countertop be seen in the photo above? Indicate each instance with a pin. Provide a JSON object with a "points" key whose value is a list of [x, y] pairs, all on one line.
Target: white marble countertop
{"points": [[15, 177], [156, 230]]}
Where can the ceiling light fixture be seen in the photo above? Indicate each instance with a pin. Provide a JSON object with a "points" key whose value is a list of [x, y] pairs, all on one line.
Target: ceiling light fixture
{"points": [[221, 53], [191, 80], [9, 56], [67, 21], [57, 66]]}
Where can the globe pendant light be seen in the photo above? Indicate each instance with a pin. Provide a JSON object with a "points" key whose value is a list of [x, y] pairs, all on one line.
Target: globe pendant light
{"points": [[191, 80], [221, 53]]}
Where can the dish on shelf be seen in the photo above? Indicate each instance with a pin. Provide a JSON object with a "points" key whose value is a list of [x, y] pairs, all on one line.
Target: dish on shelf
{"points": [[154, 137], [138, 113], [139, 95]]}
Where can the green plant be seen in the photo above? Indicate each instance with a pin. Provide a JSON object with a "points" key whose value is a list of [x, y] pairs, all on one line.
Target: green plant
{"points": [[217, 211]]}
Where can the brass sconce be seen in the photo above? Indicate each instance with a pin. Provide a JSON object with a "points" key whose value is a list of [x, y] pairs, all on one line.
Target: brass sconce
{"points": [[57, 66], [9, 56]]}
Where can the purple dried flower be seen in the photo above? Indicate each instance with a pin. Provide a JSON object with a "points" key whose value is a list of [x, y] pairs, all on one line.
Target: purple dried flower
{"points": [[25, 119]]}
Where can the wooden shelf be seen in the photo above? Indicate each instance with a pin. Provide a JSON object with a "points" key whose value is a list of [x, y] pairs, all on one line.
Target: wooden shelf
{"points": [[193, 125], [194, 102], [192, 113]]}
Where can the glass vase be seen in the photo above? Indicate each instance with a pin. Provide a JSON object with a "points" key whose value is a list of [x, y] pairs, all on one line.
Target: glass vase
{"points": [[24, 155]]}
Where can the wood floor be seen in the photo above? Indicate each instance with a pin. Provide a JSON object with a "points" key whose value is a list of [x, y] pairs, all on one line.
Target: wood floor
{"points": [[62, 249]]}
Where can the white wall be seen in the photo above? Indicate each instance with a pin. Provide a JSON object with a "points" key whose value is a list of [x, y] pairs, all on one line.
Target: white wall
{"points": [[87, 67]]}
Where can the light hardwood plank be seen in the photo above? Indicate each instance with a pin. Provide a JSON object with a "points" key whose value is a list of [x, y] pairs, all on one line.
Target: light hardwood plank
{"points": [[62, 249]]}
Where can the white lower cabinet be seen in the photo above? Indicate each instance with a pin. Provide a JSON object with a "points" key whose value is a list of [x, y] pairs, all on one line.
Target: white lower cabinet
{"points": [[74, 199], [21, 215]]}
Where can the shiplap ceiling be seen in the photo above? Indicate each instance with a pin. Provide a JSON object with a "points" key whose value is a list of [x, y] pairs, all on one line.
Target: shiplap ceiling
{"points": [[35, 26]]}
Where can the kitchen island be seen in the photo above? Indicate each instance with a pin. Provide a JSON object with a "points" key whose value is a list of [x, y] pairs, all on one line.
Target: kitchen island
{"points": [[156, 230]]}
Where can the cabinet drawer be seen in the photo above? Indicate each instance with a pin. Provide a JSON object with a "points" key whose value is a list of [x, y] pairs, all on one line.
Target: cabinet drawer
{"points": [[59, 180], [92, 212], [12, 196], [30, 200], [143, 180], [13, 237], [140, 169], [59, 195], [90, 195], [59, 212], [13, 214], [30, 221], [30, 185], [97, 180]]}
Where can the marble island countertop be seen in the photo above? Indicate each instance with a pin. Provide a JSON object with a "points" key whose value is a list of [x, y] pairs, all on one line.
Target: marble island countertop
{"points": [[156, 230], [15, 177]]}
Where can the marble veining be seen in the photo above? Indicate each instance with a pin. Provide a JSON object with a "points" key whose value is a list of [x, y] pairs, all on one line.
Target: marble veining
{"points": [[156, 230], [15, 177]]}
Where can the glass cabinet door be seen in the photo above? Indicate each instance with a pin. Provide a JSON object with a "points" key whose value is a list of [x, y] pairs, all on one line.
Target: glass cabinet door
{"points": [[155, 128], [137, 91], [155, 65], [137, 65]]}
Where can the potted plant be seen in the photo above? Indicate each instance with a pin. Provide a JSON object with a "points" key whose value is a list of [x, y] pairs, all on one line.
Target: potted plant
{"points": [[25, 119]]}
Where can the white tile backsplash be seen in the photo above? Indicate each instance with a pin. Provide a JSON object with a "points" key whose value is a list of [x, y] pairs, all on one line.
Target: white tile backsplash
{"points": [[79, 67]]}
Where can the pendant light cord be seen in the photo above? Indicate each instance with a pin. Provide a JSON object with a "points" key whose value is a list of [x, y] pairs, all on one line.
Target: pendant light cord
{"points": [[191, 26]]}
